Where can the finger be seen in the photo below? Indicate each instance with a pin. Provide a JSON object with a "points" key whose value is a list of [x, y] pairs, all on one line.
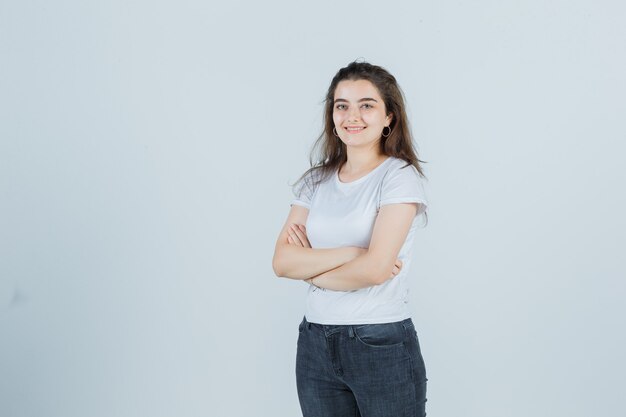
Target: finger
{"points": [[298, 231], [294, 236], [298, 234], [290, 238], [303, 237]]}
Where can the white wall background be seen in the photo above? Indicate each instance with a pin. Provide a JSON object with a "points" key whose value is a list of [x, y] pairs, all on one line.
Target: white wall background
{"points": [[145, 153]]}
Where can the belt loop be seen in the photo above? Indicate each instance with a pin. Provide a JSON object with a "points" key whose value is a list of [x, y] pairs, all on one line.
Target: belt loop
{"points": [[351, 331]]}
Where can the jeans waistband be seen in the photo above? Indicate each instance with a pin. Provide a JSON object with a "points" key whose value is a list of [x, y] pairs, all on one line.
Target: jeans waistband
{"points": [[336, 328]]}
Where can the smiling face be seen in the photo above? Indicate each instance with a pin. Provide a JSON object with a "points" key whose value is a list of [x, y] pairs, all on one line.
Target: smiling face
{"points": [[359, 113]]}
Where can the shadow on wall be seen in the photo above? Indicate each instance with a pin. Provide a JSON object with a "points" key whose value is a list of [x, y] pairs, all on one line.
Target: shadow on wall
{"points": [[10, 296]]}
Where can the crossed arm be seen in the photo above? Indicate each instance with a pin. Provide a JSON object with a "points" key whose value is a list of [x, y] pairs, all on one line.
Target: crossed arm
{"points": [[344, 268]]}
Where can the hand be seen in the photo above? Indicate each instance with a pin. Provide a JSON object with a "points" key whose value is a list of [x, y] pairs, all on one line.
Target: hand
{"points": [[396, 268], [297, 236]]}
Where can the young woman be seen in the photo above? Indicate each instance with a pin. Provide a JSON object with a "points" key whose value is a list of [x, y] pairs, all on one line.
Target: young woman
{"points": [[348, 235]]}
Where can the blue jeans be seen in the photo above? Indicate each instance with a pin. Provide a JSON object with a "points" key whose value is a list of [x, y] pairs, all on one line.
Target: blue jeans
{"points": [[364, 370]]}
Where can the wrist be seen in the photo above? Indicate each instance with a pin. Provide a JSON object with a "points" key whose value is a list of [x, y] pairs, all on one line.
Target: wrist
{"points": [[352, 253], [314, 281]]}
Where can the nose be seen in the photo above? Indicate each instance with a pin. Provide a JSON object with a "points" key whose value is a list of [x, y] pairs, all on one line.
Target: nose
{"points": [[354, 114]]}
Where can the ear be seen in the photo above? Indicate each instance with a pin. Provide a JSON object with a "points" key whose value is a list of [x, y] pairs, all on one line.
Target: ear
{"points": [[389, 118]]}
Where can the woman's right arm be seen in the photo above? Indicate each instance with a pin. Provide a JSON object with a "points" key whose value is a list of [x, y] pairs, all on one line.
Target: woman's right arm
{"points": [[298, 262]]}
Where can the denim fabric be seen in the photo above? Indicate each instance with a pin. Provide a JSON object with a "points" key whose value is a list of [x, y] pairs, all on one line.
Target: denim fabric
{"points": [[365, 370]]}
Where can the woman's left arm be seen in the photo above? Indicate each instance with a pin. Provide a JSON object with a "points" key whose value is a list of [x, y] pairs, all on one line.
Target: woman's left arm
{"points": [[375, 266]]}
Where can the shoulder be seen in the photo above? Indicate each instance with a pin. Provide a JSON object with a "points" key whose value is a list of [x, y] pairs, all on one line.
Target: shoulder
{"points": [[314, 177], [402, 179], [310, 177], [398, 166], [402, 183], [309, 181]]}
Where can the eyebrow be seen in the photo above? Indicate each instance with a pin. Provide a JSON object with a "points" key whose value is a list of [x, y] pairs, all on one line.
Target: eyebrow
{"points": [[360, 100]]}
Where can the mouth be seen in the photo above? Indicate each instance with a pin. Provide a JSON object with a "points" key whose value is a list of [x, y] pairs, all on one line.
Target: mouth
{"points": [[354, 129]]}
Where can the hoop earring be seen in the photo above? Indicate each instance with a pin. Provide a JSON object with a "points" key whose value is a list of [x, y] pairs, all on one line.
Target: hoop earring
{"points": [[383, 132], [335, 132]]}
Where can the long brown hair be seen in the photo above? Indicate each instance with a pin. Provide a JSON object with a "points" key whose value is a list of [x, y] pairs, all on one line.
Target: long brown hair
{"points": [[332, 151]]}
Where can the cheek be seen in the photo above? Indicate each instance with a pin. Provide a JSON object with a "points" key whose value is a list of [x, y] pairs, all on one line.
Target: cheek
{"points": [[375, 118], [337, 118]]}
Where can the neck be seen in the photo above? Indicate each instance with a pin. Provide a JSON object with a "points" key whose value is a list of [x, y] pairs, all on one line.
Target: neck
{"points": [[362, 160]]}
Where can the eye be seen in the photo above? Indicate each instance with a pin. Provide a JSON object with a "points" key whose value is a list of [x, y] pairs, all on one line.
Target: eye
{"points": [[341, 107], [367, 106]]}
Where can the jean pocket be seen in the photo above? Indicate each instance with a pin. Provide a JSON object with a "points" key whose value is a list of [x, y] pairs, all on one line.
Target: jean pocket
{"points": [[382, 335]]}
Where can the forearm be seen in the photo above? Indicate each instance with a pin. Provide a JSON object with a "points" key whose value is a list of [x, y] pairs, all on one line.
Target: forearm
{"points": [[297, 262], [359, 273]]}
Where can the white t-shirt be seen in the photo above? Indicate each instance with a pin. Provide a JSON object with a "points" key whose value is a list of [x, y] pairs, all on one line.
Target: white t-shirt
{"points": [[343, 214]]}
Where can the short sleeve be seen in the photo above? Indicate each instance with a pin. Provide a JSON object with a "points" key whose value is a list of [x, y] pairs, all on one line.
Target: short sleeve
{"points": [[403, 184], [304, 191]]}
